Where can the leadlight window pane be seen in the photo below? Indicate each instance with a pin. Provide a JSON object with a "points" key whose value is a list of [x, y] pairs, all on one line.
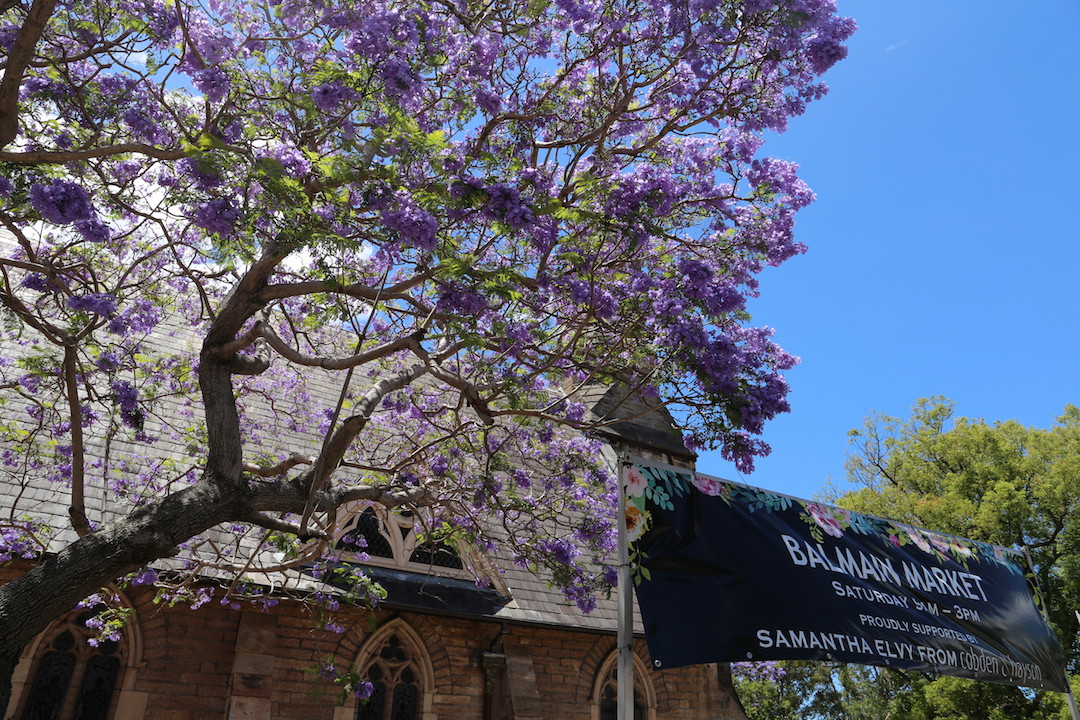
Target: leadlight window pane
{"points": [[609, 710], [404, 705], [437, 554], [609, 704], [75, 676], [96, 689], [376, 703], [395, 683], [365, 537], [392, 650], [50, 686]]}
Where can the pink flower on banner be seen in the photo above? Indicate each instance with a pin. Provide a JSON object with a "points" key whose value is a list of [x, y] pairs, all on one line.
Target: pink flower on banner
{"points": [[707, 485], [636, 482], [826, 519], [940, 543], [959, 549], [918, 538]]}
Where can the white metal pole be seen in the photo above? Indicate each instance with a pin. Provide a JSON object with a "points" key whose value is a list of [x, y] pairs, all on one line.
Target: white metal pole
{"points": [[1068, 685], [1071, 699], [625, 594]]}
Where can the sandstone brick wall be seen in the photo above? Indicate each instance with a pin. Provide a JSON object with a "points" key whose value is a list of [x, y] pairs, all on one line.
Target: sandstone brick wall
{"points": [[218, 662]]}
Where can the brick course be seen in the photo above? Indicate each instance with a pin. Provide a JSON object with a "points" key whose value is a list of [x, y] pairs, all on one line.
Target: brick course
{"points": [[216, 662]]}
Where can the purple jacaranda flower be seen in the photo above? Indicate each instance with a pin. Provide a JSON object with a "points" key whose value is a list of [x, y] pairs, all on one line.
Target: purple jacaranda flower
{"points": [[141, 316], [330, 96], [213, 81], [146, 576], [89, 416], [504, 201], [8, 34], [107, 362], [40, 283], [413, 225], [93, 230], [575, 411], [217, 216], [292, 158], [488, 102], [696, 273], [101, 304], [398, 77], [205, 175], [823, 53], [61, 202], [127, 399], [462, 301]]}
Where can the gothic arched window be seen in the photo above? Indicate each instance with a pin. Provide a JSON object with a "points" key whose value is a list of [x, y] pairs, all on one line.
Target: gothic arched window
{"points": [[398, 678], [605, 691], [75, 675]]}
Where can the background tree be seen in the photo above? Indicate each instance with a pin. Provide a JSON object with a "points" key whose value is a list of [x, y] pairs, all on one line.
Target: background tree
{"points": [[1002, 483], [271, 257], [775, 690], [802, 689]]}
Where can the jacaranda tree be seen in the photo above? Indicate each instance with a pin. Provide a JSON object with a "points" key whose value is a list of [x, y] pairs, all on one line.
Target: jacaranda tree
{"points": [[266, 257]]}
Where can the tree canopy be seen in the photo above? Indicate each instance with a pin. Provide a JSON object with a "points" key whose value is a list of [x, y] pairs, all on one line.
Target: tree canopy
{"points": [[269, 257], [1003, 483]]}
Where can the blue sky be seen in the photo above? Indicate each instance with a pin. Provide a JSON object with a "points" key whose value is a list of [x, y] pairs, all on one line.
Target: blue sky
{"points": [[944, 250]]}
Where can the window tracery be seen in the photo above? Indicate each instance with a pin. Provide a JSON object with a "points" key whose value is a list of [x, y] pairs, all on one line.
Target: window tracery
{"points": [[397, 539], [605, 691], [75, 675], [396, 665]]}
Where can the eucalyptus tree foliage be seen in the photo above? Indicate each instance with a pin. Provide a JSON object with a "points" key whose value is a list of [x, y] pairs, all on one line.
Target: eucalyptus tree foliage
{"points": [[1004, 483], [267, 258]]}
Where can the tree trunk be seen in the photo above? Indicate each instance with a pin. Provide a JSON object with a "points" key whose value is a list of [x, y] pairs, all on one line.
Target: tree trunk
{"points": [[57, 583]]}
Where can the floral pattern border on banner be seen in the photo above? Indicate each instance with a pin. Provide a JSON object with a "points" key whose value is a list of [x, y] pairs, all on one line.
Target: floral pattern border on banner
{"points": [[648, 486]]}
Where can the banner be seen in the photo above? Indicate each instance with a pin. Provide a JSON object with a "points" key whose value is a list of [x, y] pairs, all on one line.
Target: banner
{"points": [[725, 572]]}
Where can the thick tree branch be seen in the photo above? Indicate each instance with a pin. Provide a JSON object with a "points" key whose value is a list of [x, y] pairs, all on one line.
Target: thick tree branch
{"points": [[398, 291], [289, 497], [19, 57], [58, 157], [278, 525], [53, 586], [344, 363], [338, 444], [224, 444], [468, 390], [281, 468], [77, 511]]}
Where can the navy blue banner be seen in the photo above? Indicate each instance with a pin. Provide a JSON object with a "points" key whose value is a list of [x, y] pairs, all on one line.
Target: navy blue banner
{"points": [[726, 572]]}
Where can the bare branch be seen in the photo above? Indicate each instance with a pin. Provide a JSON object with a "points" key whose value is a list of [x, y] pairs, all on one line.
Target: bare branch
{"points": [[362, 292], [270, 523], [339, 442], [344, 363], [387, 498], [281, 468]]}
